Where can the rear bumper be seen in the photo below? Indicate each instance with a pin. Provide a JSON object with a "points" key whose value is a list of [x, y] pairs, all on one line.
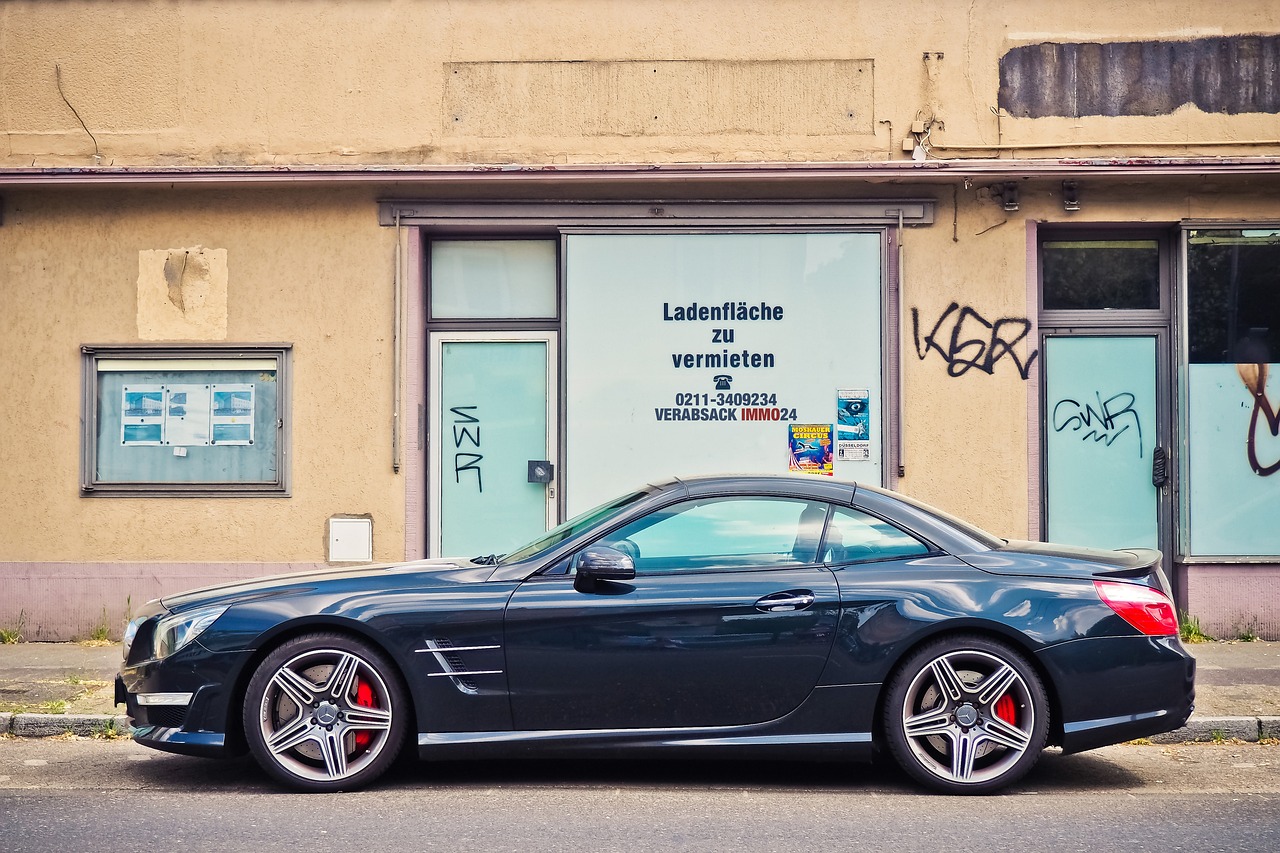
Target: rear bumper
{"points": [[1113, 689]]}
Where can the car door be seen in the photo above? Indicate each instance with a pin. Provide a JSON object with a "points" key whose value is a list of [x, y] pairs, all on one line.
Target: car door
{"points": [[729, 621]]}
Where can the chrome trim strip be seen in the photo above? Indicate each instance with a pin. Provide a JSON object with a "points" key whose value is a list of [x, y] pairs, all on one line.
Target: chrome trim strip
{"points": [[674, 737], [1086, 725], [455, 673], [457, 676], [164, 698]]}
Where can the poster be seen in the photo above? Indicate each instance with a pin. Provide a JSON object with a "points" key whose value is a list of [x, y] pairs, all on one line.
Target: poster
{"points": [[811, 449], [142, 415], [853, 424], [233, 414], [186, 415]]}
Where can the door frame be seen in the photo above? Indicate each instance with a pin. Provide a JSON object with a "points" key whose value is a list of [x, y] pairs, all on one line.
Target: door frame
{"points": [[435, 352], [1162, 322]]}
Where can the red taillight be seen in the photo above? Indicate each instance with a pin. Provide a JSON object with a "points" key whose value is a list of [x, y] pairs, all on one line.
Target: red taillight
{"points": [[1147, 609]]}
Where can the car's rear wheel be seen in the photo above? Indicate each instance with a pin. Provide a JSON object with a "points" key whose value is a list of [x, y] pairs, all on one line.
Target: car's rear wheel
{"points": [[966, 715], [325, 712]]}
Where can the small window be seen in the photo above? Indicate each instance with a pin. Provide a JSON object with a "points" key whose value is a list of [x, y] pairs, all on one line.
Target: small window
{"points": [[723, 533], [185, 420], [493, 279], [854, 537], [1087, 274]]}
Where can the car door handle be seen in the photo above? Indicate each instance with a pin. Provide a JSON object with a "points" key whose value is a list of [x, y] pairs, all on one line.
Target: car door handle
{"points": [[784, 601]]}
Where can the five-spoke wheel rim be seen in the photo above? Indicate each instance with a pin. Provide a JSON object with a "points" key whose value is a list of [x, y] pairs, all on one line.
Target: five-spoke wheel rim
{"points": [[325, 715], [968, 716]]}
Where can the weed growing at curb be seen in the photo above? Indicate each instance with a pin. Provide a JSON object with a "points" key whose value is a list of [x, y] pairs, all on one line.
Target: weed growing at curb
{"points": [[54, 706], [1248, 633], [1189, 628], [106, 731], [9, 636]]}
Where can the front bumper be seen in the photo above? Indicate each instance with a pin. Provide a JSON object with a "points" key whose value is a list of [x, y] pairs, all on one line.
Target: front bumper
{"points": [[185, 703]]}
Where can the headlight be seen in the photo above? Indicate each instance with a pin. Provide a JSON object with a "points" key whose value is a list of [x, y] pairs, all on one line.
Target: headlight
{"points": [[131, 631], [178, 629]]}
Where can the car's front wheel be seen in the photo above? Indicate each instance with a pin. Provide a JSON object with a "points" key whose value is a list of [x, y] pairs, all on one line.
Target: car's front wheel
{"points": [[325, 712], [966, 715]]}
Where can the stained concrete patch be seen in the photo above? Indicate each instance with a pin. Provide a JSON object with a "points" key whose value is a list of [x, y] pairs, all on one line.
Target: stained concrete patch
{"points": [[182, 294]]}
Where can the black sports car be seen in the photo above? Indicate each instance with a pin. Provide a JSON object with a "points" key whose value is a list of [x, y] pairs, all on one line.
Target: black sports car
{"points": [[717, 616]]}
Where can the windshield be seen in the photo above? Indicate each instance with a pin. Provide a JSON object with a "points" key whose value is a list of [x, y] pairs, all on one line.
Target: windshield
{"points": [[572, 527]]}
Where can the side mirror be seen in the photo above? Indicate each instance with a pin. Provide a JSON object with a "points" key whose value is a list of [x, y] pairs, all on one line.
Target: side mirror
{"points": [[602, 563]]}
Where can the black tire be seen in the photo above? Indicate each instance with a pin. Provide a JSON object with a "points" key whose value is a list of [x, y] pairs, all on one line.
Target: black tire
{"points": [[325, 712], [966, 715]]}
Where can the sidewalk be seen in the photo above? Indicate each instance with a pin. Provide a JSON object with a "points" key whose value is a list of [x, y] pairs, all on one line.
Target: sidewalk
{"points": [[54, 688]]}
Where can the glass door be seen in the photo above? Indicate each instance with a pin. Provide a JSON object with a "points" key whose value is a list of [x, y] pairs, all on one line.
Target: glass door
{"points": [[1105, 453], [492, 431]]}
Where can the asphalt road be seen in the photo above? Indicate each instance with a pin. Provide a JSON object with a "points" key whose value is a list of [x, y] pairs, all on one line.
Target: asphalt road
{"points": [[87, 795]]}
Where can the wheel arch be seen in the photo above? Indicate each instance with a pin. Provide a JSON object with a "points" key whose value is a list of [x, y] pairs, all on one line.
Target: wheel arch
{"points": [[283, 633], [989, 630]]}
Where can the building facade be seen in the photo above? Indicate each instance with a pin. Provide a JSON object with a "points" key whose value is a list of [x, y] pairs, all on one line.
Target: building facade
{"points": [[286, 285]]}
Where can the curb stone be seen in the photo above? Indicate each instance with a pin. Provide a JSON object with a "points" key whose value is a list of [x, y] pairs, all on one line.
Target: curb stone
{"points": [[4, 723], [1215, 728], [1269, 727], [50, 725]]}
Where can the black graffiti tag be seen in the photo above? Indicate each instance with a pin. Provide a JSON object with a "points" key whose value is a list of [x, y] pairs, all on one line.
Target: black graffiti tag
{"points": [[996, 340], [466, 461], [1100, 424]]}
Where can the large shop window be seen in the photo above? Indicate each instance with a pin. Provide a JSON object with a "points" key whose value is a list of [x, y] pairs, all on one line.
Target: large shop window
{"points": [[185, 420], [1233, 334], [709, 353]]}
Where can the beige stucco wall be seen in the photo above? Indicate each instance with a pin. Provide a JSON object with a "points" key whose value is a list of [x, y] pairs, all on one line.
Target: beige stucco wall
{"points": [[566, 81], [308, 268], [533, 83]]}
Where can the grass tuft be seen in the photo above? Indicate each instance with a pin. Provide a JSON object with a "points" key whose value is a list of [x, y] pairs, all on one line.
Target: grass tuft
{"points": [[1190, 630], [107, 731], [9, 636]]}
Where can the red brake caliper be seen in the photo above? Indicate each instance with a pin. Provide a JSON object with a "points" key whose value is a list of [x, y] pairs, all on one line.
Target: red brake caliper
{"points": [[364, 698], [1006, 710]]}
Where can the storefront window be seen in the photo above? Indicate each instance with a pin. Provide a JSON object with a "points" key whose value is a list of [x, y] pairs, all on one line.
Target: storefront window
{"points": [[1233, 334], [710, 353]]}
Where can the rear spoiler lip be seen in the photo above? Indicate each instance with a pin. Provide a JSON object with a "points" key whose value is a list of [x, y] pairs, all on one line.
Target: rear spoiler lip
{"points": [[1038, 559]]}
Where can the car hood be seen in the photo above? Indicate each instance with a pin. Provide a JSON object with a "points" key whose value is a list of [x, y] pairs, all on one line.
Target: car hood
{"points": [[1049, 559], [440, 572]]}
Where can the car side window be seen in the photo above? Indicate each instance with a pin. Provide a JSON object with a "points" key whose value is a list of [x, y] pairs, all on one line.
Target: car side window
{"points": [[854, 537], [723, 533]]}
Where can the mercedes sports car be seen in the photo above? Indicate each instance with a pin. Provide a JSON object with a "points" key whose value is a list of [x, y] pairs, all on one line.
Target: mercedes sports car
{"points": [[778, 617]]}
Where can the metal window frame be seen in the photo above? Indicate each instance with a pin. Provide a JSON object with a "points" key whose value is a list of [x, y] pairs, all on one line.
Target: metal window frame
{"points": [[1182, 366], [93, 354]]}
